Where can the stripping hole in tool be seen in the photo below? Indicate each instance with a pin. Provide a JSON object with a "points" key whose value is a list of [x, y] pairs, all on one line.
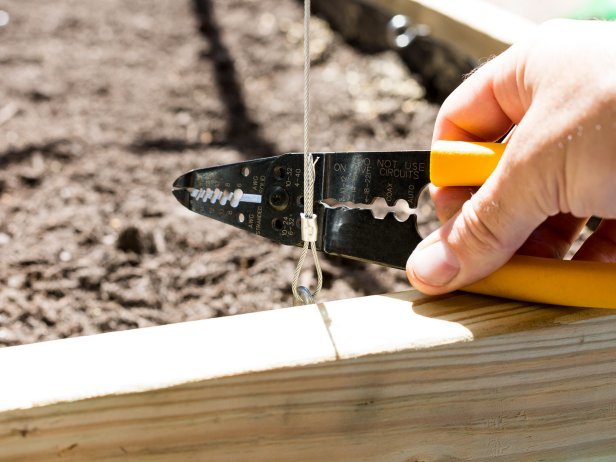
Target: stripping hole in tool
{"points": [[426, 214], [224, 197], [279, 173], [277, 224], [378, 207]]}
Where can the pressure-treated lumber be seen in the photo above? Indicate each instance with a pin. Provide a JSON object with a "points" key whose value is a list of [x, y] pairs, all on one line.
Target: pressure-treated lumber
{"points": [[388, 378], [477, 27]]}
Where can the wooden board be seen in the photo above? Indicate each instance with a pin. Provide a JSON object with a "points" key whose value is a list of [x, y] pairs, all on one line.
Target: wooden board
{"points": [[395, 378], [476, 27]]}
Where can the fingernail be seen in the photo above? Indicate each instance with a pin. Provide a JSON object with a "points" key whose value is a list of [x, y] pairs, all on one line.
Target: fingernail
{"points": [[434, 265]]}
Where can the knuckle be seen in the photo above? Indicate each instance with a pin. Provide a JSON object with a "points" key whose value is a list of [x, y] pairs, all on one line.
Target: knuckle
{"points": [[474, 232]]}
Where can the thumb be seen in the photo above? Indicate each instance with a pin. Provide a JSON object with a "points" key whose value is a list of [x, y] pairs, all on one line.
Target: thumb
{"points": [[486, 232]]}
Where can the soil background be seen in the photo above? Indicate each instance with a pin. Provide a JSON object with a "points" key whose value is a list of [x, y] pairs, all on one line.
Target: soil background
{"points": [[104, 104]]}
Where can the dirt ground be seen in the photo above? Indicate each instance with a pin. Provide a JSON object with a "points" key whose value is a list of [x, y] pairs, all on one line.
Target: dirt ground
{"points": [[103, 105]]}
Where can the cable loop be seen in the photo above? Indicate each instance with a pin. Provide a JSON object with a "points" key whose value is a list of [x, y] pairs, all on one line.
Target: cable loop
{"points": [[309, 226]]}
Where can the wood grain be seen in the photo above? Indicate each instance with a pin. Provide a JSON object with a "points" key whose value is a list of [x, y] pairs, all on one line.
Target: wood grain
{"points": [[396, 378]]}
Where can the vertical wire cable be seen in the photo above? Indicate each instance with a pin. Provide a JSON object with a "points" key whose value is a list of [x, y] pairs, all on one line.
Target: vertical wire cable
{"points": [[302, 294]]}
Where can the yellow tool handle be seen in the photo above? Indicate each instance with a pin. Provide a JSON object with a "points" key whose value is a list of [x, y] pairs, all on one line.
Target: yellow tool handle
{"points": [[542, 280], [546, 280], [460, 163]]}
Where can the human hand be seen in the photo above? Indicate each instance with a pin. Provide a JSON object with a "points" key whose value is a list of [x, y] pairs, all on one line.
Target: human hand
{"points": [[558, 90]]}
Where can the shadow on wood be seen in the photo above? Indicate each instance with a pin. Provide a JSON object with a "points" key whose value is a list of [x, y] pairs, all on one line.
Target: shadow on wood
{"points": [[401, 378]]}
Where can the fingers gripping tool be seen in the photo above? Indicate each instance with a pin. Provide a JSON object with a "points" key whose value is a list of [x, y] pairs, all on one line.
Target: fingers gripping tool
{"points": [[365, 207]]}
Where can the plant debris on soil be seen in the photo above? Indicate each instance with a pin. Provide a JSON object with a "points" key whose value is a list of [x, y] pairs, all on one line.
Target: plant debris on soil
{"points": [[103, 105]]}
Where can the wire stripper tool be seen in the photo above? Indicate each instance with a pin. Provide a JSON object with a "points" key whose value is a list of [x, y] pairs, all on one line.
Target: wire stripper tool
{"points": [[365, 204]]}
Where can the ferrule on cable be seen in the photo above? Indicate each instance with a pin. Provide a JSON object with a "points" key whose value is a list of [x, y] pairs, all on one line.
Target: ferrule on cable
{"points": [[309, 228]]}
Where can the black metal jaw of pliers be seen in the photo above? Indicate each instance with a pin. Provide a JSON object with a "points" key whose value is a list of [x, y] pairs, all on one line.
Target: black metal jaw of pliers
{"points": [[364, 201]]}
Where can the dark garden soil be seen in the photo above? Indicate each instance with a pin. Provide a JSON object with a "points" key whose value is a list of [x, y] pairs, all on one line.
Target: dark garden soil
{"points": [[104, 104]]}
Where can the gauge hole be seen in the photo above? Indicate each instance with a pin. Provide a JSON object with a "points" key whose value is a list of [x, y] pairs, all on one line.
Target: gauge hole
{"points": [[277, 224], [245, 171], [279, 173], [241, 218]]}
